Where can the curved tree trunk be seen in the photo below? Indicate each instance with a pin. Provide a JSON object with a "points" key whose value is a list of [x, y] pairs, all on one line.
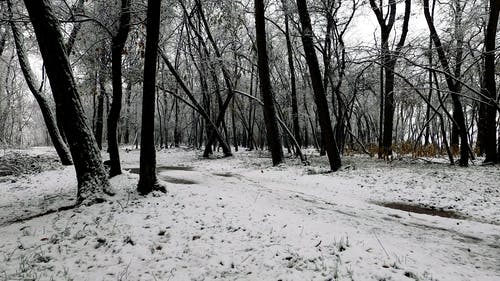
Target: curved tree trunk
{"points": [[90, 173], [118, 43], [48, 117]]}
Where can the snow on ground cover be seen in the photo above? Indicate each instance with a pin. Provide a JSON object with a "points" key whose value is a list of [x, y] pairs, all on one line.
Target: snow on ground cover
{"points": [[240, 219]]}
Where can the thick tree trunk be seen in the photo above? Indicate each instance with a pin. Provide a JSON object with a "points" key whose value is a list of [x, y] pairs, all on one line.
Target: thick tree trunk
{"points": [[488, 89], [319, 91], [272, 129], [118, 43], [90, 173], [48, 117], [147, 172]]}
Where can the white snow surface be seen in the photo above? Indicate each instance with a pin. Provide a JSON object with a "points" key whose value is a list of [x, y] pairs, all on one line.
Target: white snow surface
{"points": [[239, 218]]}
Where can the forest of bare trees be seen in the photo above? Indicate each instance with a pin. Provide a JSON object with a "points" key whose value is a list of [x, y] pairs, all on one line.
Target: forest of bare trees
{"points": [[383, 78]]}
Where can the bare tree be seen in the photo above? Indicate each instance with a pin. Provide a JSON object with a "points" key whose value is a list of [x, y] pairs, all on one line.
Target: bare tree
{"points": [[293, 84], [453, 87], [118, 43], [389, 59], [48, 116], [147, 174], [488, 89], [317, 84], [272, 129], [91, 176]]}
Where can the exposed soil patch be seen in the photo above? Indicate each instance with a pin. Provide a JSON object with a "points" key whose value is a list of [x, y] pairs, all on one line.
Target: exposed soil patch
{"points": [[227, 175], [422, 210], [16, 164], [163, 168], [177, 180]]}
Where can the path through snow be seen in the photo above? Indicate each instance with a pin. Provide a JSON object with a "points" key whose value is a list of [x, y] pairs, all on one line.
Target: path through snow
{"points": [[239, 219]]}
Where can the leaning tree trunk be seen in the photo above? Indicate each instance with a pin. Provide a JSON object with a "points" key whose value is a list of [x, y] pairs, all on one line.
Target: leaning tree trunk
{"points": [[317, 84], [118, 43], [272, 129], [458, 112], [147, 171], [488, 90], [48, 117], [90, 173]]}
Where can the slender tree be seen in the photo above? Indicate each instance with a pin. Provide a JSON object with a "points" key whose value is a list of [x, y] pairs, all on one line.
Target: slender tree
{"points": [[272, 129], [90, 173], [117, 44], [293, 84], [317, 85], [147, 171], [389, 59], [454, 88], [48, 116]]}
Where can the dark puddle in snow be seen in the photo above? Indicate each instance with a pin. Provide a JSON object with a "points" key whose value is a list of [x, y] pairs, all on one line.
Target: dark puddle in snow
{"points": [[176, 180], [226, 175], [422, 210], [160, 169]]}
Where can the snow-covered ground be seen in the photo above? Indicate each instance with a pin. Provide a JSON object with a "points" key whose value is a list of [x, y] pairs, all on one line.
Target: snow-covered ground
{"points": [[241, 219]]}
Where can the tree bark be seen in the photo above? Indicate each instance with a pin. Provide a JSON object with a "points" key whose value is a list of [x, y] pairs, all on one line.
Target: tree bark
{"points": [[389, 59], [90, 173], [147, 172], [488, 89], [99, 124], [272, 129], [128, 103], [118, 43], [317, 84]]}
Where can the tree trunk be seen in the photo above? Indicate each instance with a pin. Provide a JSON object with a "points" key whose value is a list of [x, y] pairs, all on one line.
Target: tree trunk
{"points": [[147, 171], [48, 117], [458, 113], [319, 91], [99, 126], [118, 43], [272, 129], [90, 173], [293, 86], [128, 102], [389, 59], [488, 89]]}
